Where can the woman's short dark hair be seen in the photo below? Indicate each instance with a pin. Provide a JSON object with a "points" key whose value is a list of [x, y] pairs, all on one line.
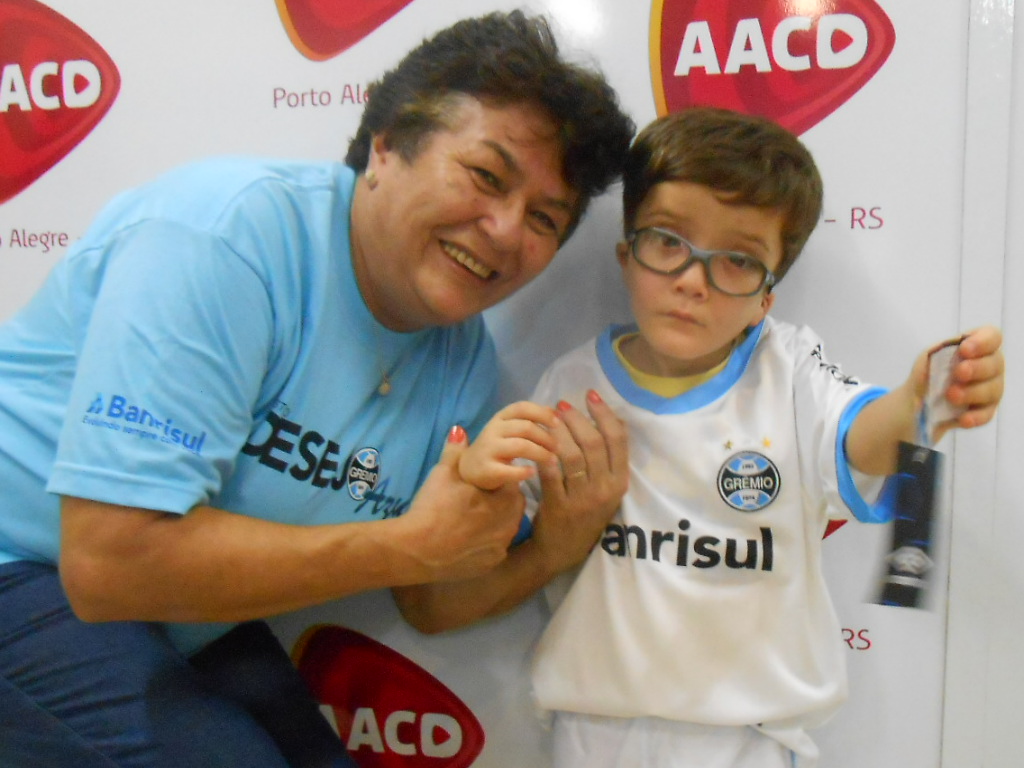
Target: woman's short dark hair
{"points": [[500, 59]]}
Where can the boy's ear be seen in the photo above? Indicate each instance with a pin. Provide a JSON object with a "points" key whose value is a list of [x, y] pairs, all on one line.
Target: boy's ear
{"points": [[622, 252], [766, 304]]}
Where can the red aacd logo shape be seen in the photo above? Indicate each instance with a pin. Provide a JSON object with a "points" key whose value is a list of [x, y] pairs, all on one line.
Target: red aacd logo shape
{"points": [[56, 85], [794, 61], [390, 712], [321, 29]]}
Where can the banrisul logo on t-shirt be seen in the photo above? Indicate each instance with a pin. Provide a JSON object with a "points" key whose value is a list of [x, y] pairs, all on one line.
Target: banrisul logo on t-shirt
{"points": [[116, 413], [389, 711], [56, 84], [793, 61], [321, 29]]}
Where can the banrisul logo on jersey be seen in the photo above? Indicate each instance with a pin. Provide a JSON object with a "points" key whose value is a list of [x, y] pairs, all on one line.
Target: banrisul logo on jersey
{"points": [[56, 84], [389, 712], [793, 61], [321, 29], [748, 481]]}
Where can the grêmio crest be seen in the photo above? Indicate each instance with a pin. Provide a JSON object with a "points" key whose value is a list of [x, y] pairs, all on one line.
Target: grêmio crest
{"points": [[792, 62]]}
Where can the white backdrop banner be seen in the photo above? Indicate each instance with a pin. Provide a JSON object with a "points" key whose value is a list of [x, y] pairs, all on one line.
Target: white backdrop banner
{"points": [[97, 97]]}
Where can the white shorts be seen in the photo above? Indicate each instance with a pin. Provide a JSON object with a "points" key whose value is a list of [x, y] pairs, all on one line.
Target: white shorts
{"points": [[591, 741]]}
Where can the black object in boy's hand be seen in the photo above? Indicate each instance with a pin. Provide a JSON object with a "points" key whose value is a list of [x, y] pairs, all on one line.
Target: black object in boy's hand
{"points": [[909, 560]]}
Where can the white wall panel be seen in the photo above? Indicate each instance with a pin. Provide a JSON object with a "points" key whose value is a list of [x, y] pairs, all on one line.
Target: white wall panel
{"points": [[924, 176]]}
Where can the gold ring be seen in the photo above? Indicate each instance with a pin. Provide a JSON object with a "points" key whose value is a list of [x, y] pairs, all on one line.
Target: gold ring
{"points": [[580, 473]]}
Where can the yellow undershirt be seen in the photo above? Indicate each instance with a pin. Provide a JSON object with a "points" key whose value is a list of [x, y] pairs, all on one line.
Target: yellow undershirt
{"points": [[664, 386]]}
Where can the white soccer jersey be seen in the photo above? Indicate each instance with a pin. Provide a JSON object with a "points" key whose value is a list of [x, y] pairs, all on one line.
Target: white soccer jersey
{"points": [[704, 601]]}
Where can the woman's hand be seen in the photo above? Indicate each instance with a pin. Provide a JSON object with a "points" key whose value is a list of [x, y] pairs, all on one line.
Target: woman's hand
{"points": [[453, 529], [582, 490]]}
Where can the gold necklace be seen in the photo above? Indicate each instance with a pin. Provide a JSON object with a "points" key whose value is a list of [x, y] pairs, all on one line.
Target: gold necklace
{"points": [[369, 298], [384, 388], [386, 384]]}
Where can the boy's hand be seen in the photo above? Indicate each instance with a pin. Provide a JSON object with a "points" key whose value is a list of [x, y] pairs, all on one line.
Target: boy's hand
{"points": [[979, 377], [583, 487], [522, 430], [976, 381]]}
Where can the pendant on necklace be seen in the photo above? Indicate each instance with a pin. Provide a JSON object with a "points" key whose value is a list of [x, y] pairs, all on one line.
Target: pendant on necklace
{"points": [[384, 388]]}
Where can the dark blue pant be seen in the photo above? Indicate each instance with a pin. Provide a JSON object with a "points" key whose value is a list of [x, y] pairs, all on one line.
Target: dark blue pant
{"points": [[117, 694]]}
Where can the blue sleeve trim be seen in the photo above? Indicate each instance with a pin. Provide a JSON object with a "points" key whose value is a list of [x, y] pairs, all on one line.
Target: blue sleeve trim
{"points": [[525, 531], [882, 510]]}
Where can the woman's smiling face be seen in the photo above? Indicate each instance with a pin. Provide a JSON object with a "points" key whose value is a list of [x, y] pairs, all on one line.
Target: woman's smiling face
{"points": [[474, 216]]}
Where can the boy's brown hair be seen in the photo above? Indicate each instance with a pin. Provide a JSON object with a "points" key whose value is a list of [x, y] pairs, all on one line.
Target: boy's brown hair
{"points": [[750, 159]]}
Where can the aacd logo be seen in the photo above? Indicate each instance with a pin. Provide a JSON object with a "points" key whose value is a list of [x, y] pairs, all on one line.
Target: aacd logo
{"points": [[321, 29], [56, 84], [390, 713], [792, 62]]}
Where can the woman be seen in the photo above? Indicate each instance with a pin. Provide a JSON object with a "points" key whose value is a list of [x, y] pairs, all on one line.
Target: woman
{"points": [[245, 354]]}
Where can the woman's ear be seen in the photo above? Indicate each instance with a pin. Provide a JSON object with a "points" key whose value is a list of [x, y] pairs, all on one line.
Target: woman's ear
{"points": [[379, 151]]}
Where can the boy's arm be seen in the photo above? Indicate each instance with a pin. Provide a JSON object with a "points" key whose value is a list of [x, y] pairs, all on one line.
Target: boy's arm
{"points": [[977, 386], [581, 487]]}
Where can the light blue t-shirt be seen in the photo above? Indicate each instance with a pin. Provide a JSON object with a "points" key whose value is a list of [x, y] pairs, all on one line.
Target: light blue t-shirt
{"points": [[206, 343]]}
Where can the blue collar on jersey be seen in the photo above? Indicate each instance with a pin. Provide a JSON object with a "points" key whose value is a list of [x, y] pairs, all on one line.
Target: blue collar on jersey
{"points": [[691, 400]]}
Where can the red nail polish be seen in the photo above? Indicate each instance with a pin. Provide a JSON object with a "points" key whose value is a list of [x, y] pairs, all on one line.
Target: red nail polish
{"points": [[457, 434], [593, 397], [564, 406]]}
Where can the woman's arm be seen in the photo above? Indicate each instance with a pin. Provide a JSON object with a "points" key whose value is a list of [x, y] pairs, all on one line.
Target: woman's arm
{"points": [[124, 563]]}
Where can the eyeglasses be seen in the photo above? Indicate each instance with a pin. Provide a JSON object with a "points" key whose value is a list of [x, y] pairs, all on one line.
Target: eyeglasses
{"points": [[665, 252]]}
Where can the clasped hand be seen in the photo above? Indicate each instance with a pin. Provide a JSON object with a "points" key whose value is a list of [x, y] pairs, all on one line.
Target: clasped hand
{"points": [[580, 459], [464, 518]]}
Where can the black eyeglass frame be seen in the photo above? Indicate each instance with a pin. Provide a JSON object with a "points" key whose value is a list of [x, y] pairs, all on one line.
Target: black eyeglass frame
{"points": [[704, 257]]}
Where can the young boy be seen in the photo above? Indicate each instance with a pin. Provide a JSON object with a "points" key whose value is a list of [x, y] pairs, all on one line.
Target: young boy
{"points": [[699, 632]]}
